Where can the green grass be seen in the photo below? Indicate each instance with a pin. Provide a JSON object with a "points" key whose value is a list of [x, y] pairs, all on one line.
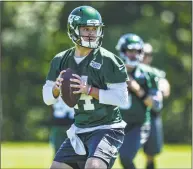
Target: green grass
{"points": [[39, 155]]}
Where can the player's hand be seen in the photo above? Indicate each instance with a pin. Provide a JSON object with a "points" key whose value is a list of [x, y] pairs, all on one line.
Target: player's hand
{"points": [[164, 87], [133, 85], [57, 85], [81, 85]]}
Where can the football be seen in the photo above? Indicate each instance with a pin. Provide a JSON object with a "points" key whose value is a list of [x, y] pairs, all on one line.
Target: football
{"points": [[67, 92]]}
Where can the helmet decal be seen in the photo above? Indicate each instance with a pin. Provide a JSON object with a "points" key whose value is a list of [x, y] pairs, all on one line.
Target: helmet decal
{"points": [[73, 17]]}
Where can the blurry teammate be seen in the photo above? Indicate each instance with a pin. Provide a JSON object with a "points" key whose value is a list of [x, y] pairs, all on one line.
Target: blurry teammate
{"points": [[155, 141], [144, 97]]}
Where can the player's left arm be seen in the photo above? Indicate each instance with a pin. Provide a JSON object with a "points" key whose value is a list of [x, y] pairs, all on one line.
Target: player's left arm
{"points": [[114, 76], [116, 93], [84, 87], [162, 84]]}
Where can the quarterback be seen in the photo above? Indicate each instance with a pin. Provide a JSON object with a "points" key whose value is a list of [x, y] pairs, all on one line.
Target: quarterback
{"points": [[98, 131]]}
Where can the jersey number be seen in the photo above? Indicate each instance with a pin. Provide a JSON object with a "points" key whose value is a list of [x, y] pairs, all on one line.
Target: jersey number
{"points": [[88, 104]]}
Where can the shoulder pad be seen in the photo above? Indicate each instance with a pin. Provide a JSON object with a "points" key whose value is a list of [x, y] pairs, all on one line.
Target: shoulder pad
{"points": [[111, 56], [152, 70], [63, 53]]}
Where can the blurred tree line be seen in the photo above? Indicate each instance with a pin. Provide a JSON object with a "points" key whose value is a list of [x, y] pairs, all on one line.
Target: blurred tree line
{"points": [[33, 32]]}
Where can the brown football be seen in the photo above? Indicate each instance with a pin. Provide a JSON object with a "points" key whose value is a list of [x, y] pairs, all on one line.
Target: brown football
{"points": [[67, 92]]}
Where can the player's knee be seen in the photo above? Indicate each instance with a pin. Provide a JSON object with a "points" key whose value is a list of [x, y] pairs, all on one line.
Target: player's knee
{"points": [[95, 163]]}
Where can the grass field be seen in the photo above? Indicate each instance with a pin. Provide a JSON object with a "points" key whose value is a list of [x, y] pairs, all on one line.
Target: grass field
{"points": [[39, 155]]}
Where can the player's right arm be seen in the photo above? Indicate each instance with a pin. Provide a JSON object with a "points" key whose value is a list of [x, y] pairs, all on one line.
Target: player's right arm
{"points": [[148, 99], [51, 89], [57, 86], [139, 91]]}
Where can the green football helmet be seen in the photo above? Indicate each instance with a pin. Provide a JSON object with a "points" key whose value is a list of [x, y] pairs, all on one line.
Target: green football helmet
{"points": [[85, 16], [130, 42]]}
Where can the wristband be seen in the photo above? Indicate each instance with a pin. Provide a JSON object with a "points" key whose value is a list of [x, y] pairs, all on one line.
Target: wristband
{"points": [[89, 90]]}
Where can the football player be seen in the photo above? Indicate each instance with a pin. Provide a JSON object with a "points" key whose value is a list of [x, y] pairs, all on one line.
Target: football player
{"points": [[154, 143], [141, 84], [98, 131]]}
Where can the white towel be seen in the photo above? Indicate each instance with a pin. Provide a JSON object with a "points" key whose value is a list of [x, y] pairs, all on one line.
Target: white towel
{"points": [[77, 143]]}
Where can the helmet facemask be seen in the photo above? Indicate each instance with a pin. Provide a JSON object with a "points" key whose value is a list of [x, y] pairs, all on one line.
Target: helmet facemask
{"points": [[133, 55], [89, 41]]}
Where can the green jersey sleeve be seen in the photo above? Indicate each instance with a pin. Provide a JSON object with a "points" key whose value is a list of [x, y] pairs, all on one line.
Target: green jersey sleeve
{"points": [[155, 75], [54, 70], [158, 73], [152, 75], [114, 70]]}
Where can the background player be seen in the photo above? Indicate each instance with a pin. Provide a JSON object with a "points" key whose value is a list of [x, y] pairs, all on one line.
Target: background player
{"points": [[154, 143], [142, 82]]}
